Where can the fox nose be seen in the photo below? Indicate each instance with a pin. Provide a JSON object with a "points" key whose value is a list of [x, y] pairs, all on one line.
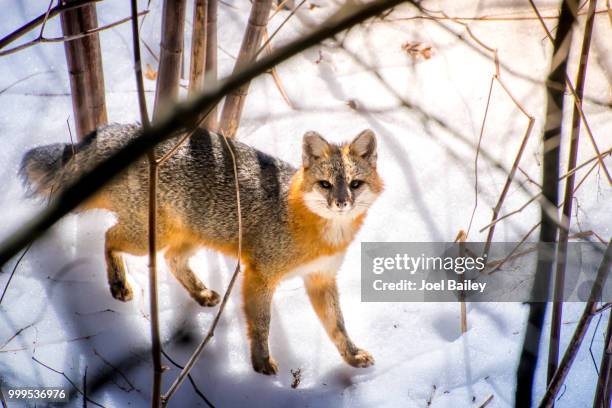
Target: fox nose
{"points": [[342, 204]]}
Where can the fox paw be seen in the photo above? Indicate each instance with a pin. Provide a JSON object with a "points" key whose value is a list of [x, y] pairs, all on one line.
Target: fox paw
{"points": [[207, 297], [360, 359], [265, 366], [121, 291]]}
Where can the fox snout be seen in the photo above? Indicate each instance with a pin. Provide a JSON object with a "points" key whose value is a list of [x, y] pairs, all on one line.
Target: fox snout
{"points": [[341, 195]]}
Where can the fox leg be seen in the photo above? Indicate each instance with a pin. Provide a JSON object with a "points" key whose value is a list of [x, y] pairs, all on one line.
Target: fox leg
{"points": [[323, 294], [117, 280], [177, 258], [257, 295]]}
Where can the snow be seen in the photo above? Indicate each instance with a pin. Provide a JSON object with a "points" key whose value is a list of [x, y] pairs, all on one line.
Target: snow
{"points": [[60, 296]]}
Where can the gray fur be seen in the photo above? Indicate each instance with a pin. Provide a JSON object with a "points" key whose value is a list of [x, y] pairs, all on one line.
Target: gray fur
{"points": [[197, 182]]}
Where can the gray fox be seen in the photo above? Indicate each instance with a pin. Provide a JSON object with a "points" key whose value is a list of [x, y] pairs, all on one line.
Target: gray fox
{"points": [[296, 222]]}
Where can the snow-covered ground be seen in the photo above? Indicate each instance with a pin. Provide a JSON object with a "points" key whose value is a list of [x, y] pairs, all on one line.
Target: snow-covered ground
{"points": [[59, 302]]}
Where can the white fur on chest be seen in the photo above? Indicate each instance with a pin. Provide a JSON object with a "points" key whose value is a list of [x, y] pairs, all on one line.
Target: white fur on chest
{"points": [[338, 230], [329, 264]]}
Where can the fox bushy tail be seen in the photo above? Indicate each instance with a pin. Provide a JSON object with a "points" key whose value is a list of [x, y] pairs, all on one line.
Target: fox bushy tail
{"points": [[47, 170], [44, 167]]}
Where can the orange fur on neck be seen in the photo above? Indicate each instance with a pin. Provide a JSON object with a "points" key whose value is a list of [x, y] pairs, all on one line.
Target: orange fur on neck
{"points": [[308, 228]]}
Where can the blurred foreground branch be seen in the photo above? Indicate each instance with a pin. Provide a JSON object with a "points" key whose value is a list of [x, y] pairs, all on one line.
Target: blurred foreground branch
{"points": [[183, 116]]}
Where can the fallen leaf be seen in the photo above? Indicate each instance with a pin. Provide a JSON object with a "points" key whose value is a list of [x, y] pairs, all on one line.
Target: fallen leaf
{"points": [[150, 73]]}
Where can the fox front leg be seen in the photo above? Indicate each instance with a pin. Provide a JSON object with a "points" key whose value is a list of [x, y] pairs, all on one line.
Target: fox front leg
{"points": [[323, 294], [177, 258], [257, 298]]}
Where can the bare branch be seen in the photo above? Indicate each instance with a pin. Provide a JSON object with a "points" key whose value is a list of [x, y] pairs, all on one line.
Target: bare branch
{"points": [[577, 100], [583, 324], [557, 306], [66, 38], [555, 85], [41, 19]]}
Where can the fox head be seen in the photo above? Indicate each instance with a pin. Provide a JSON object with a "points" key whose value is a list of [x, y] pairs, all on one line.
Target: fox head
{"points": [[340, 180]]}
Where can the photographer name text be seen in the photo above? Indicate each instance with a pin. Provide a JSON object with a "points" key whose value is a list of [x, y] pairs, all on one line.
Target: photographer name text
{"points": [[444, 285]]}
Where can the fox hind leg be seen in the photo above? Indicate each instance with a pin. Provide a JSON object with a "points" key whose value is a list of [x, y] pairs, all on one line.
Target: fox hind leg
{"points": [[114, 244], [177, 258]]}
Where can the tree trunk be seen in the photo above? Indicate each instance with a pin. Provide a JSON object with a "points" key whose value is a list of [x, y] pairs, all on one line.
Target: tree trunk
{"points": [[171, 50], [198, 49], [210, 76], [555, 88], [198, 46], [234, 102], [84, 59]]}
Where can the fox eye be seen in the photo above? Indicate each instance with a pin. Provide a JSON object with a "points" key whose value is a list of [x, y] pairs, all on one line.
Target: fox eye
{"points": [[355, 184], [325, 184]]}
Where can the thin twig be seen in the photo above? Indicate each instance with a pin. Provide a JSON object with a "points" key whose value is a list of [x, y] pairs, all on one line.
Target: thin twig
{"points": [[69, 380], [198, 351], [498, 264], [2, 399], [152, 225], [17, 333], [44, 23], [142, 102], [117, 370], [587, 162], [577, 99], [3, 90], [67, 37], [268, 40], [8, 282], [518, 210], [531, 120], [32, 24], [85, 388], [603, 307], [461, 237], [482, 127], [49, 343], [191, 380], [276, 77], [529, 179], [491, 18], [486, 402]]}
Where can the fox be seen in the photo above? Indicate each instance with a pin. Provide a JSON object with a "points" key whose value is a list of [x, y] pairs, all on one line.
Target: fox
{"points": [[296, 222]]}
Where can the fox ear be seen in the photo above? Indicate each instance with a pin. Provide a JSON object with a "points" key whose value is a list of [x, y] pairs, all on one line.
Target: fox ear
{"points": [[313, 147], [364, 146]]}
